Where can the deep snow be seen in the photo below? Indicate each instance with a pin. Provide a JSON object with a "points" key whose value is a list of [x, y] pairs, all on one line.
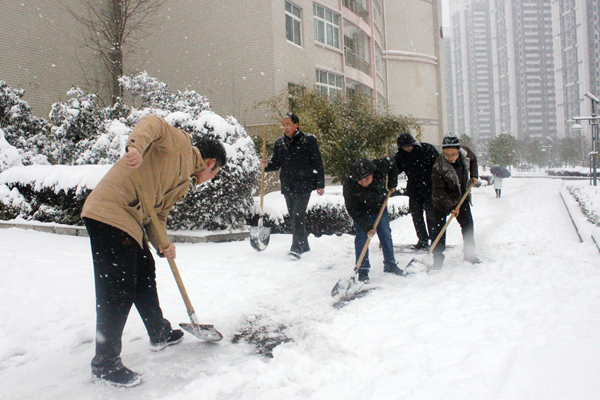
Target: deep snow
{"points": [[524, 324]]}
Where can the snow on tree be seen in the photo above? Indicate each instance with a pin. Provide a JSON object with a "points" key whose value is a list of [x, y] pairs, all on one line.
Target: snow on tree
{"points": [[76, 123], [22, 130], [9, 154]]}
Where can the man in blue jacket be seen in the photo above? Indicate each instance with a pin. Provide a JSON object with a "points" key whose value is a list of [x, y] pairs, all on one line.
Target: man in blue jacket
{"points": [[416, 160], [298, 157]]}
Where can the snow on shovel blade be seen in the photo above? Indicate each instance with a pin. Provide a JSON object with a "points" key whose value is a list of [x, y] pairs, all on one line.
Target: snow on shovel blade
{"points": [[342, 286], [259, 236], [202, 331]]}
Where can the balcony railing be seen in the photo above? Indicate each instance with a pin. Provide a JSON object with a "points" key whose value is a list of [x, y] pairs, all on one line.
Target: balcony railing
{"points": [[357, 62], [357, 9]]}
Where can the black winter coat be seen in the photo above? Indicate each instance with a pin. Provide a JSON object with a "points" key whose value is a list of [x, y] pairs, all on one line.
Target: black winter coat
{"points": [[300, 162], [448, 186], [361, 201], [417, 166]]}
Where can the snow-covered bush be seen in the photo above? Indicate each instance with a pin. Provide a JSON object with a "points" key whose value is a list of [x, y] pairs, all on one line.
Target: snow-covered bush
{"points": [[76, 123], [9, 155], [22, 130]]}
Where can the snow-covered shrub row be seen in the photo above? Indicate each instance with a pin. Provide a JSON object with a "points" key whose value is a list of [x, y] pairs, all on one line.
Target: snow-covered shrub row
{"points": [[325, 215], [574, 171], [48, 193], [588, 198], [80, 133]]}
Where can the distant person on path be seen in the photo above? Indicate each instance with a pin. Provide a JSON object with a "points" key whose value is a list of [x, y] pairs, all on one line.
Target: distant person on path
{"points": [[160, 161], [497, 181], [298, 157], [364, 193], [416, 161], [452, 173]]}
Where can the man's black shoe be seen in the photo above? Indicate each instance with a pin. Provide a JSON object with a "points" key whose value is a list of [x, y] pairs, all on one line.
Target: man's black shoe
{"points": [[363, 275], [393, 269], [294, 255], [174, 337], [421, 245], [121, 377]]}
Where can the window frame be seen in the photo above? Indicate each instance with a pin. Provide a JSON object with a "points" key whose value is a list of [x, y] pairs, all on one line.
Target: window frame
{"points": [[293, 23], [330, 30]]}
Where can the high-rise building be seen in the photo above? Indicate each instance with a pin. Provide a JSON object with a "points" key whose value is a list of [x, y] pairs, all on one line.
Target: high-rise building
{"points": [[504, 59], [576, 26], [238, 53], [472, 69]]}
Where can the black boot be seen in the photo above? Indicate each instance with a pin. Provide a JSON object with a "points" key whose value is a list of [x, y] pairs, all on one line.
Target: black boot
{"points": [[113, 372], [174, 337], [421, 245], [393, 269], [363, 275]]}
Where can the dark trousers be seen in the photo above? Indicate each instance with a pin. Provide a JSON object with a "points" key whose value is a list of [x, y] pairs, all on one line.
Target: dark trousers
{"points": [[465, 219], [417, 209], [384, 232], [296, 205], [124, 275]]}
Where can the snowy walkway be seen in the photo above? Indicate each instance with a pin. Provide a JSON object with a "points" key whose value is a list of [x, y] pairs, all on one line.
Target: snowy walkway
{"points": [[524, 324]]}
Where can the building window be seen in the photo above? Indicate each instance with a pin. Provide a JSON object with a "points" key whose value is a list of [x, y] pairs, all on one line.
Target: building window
{"points": [[329, 83], [327, 26], [378, 59], [293, 23]]}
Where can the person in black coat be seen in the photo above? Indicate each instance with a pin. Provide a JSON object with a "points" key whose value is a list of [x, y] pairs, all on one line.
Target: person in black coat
{"points": [[297, 156], [451, 175], [364, 193], [416, 160]]}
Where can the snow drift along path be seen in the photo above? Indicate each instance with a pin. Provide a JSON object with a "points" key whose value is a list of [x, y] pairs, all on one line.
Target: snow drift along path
{"points": [[524, 324]]}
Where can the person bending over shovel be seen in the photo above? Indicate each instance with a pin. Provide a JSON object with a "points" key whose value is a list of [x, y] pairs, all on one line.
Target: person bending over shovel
{"points": [[159, 163], [454, 170], [364, 193]]}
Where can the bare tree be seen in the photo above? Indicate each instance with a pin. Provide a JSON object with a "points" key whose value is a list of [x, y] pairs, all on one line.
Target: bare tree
{"points": [[113, 30]]}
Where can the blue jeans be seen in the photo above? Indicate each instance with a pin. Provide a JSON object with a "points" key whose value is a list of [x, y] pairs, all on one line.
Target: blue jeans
{"points": [[384, 233]]}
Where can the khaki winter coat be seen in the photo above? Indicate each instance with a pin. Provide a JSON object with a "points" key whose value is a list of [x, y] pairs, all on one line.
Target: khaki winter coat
{"points": [[163, 178]]}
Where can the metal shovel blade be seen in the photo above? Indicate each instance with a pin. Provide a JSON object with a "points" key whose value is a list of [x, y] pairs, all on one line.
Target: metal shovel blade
{"points": [[342, 287], [259, 236], [205, 332]]}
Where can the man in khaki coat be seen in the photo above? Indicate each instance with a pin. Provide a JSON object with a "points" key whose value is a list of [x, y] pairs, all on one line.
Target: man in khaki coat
{"points": [[159, 164]]}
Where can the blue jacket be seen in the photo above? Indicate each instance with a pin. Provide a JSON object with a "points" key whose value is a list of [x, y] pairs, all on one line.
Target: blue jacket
{"points": [[300, 162]]}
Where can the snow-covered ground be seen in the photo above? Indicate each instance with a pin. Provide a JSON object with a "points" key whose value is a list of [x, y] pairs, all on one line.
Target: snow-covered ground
{"points": [[524, 324]]}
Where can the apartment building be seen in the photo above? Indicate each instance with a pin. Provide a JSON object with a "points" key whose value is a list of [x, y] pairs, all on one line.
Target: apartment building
{"points": [[471, 52], [238, 53], [504, 68], [576, 27]]}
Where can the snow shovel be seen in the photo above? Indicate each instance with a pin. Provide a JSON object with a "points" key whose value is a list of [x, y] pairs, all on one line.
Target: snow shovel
{"points": [[205, 332], [344, 285], [415, 262], [259, 235]]}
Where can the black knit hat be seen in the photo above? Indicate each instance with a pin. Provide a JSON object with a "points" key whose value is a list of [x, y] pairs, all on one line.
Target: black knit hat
{"points": [[361, 169], [406, 139], [451, 141]]}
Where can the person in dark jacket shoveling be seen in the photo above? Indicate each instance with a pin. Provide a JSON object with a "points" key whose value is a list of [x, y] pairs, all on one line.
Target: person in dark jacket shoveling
{"points": [[451, 175], [364, 193], [416, 160]]}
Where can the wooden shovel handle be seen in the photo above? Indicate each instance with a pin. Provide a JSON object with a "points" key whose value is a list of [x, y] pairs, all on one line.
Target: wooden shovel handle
{"points": [[439, 236], [262, 172], [164, 242], [366, 246]]}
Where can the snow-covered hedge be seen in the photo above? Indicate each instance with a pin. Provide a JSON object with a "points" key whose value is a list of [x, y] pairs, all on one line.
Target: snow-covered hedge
{"points": [[81, 133], [588, 198], [325, 215]]}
